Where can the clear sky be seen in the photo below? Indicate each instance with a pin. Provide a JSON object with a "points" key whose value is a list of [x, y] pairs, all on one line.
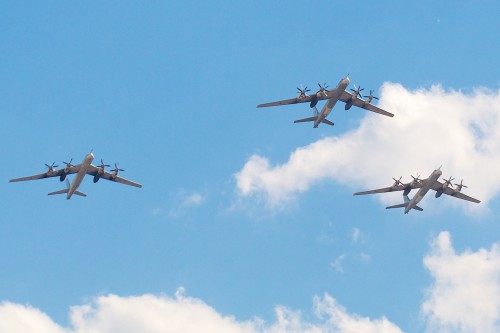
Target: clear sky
{"points": [[244, 217]]}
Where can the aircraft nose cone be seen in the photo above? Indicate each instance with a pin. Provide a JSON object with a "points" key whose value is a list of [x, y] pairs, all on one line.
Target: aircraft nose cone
{"points": [[346, 80]]}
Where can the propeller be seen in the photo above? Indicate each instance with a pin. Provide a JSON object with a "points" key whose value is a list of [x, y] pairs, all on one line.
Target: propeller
{"points": [[370, 97], [68, 164], [459, 186], [448, 181], [397, 181], [303, 91], [322, 89], [103, 165], [416, 179], [52, 166], [116, 169], [357, 90]]}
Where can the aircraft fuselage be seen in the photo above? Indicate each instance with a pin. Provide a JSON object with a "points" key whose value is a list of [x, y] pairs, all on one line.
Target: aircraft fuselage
{"points": [[426, 186], [79, 176], [335, 96]]}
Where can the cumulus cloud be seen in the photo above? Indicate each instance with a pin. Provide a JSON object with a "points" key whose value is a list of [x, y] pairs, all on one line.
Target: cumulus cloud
{"points": [[465, 294], [16, 318], [431, 127], [149, 313], [463, 297]]}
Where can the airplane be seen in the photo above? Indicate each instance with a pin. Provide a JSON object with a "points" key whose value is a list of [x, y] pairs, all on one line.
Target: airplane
{"points": [[85, 168], [332, 96], [424, 185]]}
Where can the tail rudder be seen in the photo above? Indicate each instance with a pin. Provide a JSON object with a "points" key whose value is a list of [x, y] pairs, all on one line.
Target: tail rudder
{"points": [[405, 204], [66, 190], [407, 199]]}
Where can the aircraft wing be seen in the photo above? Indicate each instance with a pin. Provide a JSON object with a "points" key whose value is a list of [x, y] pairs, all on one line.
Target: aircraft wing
{"points": [[390, 189], [382, 190], [454, 193], [346, 96], [93, 170], [48, 174], [288, 101]]}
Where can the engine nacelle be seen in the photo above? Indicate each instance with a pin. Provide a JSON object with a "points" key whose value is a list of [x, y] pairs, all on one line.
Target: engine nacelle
{"points": [[97, 177], [62, 177], [348, 105], [406, 191], [439, 193], [314, 101]]}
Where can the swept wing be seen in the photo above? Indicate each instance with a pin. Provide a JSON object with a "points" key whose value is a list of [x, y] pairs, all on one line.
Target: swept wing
{"points": [[49, 174], [296, 100], [390, 189], [452, 192], [93, 170], [347, 96]]}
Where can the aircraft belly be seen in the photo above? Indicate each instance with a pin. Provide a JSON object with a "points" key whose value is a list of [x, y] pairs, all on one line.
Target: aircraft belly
{"points": [[79, 176]]}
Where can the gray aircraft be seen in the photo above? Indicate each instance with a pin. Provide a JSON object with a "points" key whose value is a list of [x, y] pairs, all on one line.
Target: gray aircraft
{"points": [[85, 168], [424, 186], [332, 96]]}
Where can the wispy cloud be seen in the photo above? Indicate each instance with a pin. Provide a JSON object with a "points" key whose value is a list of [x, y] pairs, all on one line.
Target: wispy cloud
{"points": [[431, 127], [180, 204], [337, 263], [356, 234]]}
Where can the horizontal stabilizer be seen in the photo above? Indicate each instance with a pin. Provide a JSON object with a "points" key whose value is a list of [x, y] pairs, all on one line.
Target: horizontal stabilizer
{"points": [[80, 193], [396, 206], [405, 204], [305, 120], [328, 122], [59, 192], [418, 208]]}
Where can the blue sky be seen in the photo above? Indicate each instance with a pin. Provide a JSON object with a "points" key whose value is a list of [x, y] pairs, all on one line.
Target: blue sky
{"points": [[168, 91]]}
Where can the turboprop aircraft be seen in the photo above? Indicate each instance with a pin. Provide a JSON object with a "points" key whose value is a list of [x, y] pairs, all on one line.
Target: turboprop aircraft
{"points": [[82, 169], [339, 93], [424, 185]]}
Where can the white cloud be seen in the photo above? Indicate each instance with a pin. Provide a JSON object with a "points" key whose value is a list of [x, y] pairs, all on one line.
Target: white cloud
{"points": [[465, 294], [356, 234], [15, 318], [431, 127], [337, 263], [180, 204], [194, 199], [463, 297], [149, 313], [338, 320]]}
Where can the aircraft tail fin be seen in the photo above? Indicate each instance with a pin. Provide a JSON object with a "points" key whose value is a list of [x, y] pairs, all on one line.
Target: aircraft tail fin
{"points": [[405, 204], [66, 190]]}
